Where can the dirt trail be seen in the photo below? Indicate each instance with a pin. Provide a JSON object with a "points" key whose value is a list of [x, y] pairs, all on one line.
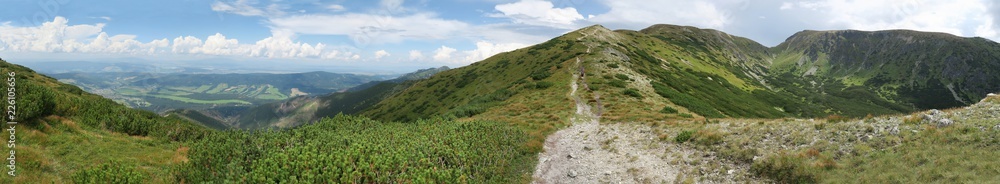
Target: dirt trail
{"points": [[591, 152]]}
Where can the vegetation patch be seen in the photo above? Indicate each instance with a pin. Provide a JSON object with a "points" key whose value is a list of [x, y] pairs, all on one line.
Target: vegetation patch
{"points": [[347, 149]]}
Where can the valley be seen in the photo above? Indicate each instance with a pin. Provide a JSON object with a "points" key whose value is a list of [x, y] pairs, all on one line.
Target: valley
{"points": [[161, 92]]}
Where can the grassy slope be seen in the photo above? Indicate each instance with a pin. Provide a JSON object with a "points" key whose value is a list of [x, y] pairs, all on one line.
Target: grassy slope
{"points": [[64, 130], [920, 64], [505, 86], [302, 110]]}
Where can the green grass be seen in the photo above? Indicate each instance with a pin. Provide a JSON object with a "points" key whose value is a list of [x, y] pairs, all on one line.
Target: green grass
{"points": [[63, 148], [218, 88], [202, 88], [129, 91], [271, 93]]}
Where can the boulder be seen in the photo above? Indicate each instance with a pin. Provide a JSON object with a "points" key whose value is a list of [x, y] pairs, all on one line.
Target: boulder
{"points": [[934, 112], [943, 122]]}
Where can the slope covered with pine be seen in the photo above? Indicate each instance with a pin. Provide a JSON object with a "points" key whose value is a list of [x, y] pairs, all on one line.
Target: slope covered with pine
{"points": [[68, 135]]}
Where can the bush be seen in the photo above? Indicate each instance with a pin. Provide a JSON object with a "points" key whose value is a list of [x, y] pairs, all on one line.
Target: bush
{"points": [[617, 83], [612, 65], [347, 149], [685, 115], [34, 101], [594, 86], [113, 172], [668, 110], [784, 168], [684, 136], [622, 76], [632, 92], [542, 84], [912, 119], [833, 118], [708, 137], [540, 74]]}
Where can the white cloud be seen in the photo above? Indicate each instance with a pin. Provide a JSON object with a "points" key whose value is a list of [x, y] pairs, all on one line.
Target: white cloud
{"points": [[240, 7], [369, 28], [392, 5], [960, 17], [186, 44], [335, 7], [486, 49], [380, 54], [786, 5], [105, 18], [443, 53], [416, 55], [638, 14], [57, 36], [539, 13]]}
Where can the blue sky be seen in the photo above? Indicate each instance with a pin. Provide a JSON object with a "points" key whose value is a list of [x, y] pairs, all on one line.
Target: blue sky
{"points": [[417, 34]]}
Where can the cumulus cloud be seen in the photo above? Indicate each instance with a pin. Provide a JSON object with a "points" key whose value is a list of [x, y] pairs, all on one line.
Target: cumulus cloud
{"points": [[416, 55], [960, 17], [638, 14], [58, 36], [380, 54], [443, 53], [371, 28], [538, 13], [486, 49], [483, 50]]}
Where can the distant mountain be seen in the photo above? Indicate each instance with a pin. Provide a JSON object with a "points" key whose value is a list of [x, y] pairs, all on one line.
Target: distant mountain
{"points": [[160, 92], [54, 67], [923, 69], [304, 109]]}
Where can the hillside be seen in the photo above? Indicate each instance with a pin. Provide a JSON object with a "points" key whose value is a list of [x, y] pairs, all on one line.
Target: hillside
{"points": [[160, 92], [682, 71], [919, 65], [305, 109], [65, 134], [660, 105]]}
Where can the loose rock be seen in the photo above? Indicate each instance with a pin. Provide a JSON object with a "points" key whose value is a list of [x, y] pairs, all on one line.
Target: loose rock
{"points": [[943, 122], [935, 112], [894, 130], [928, 117]]}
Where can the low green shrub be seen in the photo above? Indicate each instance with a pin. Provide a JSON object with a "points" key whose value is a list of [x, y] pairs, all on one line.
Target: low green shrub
{"points": [[684, 136], [111, 172], [668, 110], [632, 92]]}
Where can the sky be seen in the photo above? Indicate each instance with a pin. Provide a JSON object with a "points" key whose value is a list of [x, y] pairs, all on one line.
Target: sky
{"points": [[406, 35]]}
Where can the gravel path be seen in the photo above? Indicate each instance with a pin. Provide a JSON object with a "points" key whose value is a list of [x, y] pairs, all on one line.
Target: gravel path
{"points": [[591, 152]]}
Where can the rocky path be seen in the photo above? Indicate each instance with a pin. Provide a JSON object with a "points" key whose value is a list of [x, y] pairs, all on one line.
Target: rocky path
{"points": [[591, 152]]}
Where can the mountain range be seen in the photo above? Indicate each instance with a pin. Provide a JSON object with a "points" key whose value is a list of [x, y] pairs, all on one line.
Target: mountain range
{"points": [[661, 104]]}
